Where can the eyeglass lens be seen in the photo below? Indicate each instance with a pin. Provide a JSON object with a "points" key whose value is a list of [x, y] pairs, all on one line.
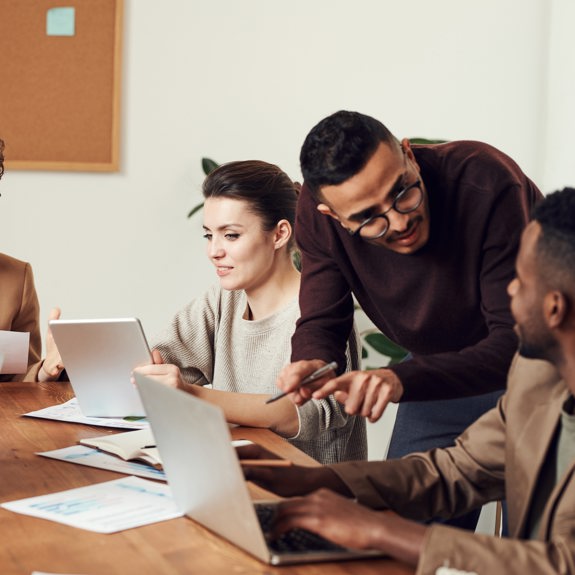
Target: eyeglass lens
{"points": [[406, 201]]}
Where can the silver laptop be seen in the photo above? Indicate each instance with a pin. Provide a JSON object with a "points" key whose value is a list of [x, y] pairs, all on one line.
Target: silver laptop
{"points": [[207, 482], [99, 356]]}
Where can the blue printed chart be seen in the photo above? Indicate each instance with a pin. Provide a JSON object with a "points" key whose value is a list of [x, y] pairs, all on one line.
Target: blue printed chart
{"points": [[104, 507]]}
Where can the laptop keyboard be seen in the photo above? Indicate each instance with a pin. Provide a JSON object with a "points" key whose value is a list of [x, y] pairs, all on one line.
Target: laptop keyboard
{"points": [[296, 540]]}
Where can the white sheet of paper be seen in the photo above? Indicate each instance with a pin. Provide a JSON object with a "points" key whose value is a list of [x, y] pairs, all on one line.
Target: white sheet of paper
{"points": [[14, 351], [104, 507], [70, 411], [91, 457]]}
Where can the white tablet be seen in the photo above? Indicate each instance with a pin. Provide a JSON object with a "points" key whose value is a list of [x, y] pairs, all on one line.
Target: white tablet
{"points": [[99, 356]]}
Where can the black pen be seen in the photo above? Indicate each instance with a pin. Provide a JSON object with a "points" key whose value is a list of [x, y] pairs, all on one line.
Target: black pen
{"points": [[311, 377]]}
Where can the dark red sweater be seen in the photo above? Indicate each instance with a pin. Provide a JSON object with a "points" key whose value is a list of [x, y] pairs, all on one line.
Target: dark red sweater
{"points": [[447, 303]]}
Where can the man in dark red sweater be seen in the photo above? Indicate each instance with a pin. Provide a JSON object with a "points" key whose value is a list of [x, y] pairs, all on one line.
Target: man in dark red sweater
{"points": [[425, 237]]}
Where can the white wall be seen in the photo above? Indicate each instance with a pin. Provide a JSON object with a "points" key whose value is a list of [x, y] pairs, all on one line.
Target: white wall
{"points": [[248, 79], [557, 153], [236, 80]]}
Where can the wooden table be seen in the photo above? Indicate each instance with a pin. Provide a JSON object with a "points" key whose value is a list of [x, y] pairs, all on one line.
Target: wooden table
{"points": [[175, 547]]}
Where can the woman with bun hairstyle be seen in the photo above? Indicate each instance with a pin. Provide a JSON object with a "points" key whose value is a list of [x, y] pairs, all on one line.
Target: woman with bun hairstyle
{"points": [[228, 346]]}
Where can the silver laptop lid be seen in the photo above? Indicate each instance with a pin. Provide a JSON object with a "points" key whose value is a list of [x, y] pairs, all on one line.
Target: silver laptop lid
{"points": [[99, 356], [201, 465], [205, 476]]}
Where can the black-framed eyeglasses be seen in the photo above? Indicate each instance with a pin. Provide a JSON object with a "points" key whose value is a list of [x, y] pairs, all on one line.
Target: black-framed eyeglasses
{"points": [[406, 201]]}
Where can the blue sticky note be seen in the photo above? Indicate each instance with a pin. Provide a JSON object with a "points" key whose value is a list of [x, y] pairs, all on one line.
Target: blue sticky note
{"points": [[61, 21]]}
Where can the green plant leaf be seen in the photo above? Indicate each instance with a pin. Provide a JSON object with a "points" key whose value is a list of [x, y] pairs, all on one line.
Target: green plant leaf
{"points": [[195, 209], [383, 345], [208, 165], [426, 141], [296, 259]]}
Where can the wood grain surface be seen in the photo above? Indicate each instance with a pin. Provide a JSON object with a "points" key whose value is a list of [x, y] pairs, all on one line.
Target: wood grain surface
{"points": [[175, 547]]}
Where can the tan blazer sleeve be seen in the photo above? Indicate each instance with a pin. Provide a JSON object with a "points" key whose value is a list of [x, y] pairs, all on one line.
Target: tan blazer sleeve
{"points": [[467, 552], [440, 483], [30, 313], [447, 482]]}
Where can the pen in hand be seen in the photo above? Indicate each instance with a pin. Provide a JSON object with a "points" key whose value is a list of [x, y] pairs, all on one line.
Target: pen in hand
{"points": [[311, 377]]}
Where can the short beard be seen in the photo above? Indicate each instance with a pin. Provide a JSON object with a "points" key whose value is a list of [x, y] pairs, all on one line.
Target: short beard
{"points": [[529, 351], [537, 350]]}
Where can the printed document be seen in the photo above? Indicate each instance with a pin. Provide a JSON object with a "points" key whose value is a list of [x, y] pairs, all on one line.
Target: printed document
{"points": [[70, 411], [14, 351], [104, 507]]}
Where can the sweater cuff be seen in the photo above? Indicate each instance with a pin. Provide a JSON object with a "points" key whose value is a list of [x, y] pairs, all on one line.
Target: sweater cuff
{"points": [[307, 418]]}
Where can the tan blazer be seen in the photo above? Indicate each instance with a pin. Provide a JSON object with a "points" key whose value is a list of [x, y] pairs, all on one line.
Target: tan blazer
{"points": [[19, 310], [498, 456]]}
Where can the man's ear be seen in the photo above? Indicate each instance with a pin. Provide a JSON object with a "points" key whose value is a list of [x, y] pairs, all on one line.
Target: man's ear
{"points": [[555, 309], [406, 147], [327, 211]]}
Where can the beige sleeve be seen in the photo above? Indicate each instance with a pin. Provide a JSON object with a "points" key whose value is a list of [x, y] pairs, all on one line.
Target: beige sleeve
{"points": [[440, 482], [465, 553], [28, 320]]}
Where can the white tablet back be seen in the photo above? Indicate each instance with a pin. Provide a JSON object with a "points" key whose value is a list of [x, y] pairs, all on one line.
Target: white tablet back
{"points": [[99, 356]]}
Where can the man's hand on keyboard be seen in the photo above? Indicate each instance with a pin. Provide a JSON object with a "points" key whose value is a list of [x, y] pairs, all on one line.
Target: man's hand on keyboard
{"points": [[349, 524]]}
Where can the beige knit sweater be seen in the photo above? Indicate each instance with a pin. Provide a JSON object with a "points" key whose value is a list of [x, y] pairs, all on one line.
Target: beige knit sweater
{"points": [[211, 343]]}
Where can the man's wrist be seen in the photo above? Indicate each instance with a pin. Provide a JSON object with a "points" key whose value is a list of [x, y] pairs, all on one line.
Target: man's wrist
{"points": [[326, 477], [397, 385]]}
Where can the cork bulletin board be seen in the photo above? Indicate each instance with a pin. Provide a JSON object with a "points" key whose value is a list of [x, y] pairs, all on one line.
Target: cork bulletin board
{"points": [[60, 86]]}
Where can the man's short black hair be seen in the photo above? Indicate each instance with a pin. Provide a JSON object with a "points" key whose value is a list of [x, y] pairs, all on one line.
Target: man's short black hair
{"points": [[556, 245], [339, 147]]}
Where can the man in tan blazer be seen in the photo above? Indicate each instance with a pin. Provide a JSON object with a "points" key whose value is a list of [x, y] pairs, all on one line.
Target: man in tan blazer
{"points": [[523, 450], [19, 311]]}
